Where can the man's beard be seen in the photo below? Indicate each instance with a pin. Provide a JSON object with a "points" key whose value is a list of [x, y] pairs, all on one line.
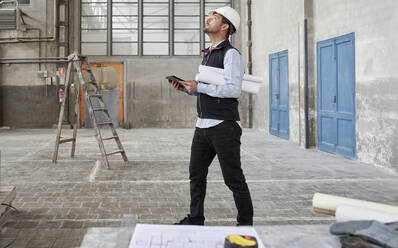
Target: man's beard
{"points": [[209, 31]]}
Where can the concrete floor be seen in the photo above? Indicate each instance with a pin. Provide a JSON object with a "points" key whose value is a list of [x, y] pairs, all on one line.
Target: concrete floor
{"points": [[61, 204]]}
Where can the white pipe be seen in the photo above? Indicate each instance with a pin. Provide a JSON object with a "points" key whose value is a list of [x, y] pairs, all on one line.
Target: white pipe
{"points": [[349, 213], [327, 204]]}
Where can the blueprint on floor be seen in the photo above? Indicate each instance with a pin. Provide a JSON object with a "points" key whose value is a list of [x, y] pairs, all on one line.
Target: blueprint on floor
{"points": [[176, 236]]}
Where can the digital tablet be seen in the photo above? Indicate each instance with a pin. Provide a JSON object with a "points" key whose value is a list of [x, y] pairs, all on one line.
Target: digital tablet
{"points": [[174, 78]]}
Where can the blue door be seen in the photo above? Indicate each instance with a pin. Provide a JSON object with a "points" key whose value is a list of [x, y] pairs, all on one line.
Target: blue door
{"points": [[279, 94], [336, 95]]}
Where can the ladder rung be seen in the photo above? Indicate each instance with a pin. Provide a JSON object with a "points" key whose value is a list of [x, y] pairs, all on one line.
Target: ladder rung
{"points": [[111, 153], [95, 95], [109, 138], [100, 109], [66, 140], [105, 123]]}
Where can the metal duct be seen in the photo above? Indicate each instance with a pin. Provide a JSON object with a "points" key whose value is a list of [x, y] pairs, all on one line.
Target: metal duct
{"points": [[8, 19], [34, 60], [36, 39]]}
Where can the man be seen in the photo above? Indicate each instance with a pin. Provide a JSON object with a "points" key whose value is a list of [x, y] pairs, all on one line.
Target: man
{"points": [[218, 128]]}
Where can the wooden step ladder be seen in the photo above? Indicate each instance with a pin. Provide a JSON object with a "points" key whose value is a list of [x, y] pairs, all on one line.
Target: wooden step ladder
{"points": [[77, 61]]}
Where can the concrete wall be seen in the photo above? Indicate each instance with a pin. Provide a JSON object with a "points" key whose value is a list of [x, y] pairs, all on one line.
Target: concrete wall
{"points": [[29, 106], [26, 101], [276, 27], [1, 105], [279, 25], [376, 46], [150, 101]]}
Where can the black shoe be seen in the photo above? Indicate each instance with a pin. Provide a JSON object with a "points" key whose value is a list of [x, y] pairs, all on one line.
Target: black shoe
{"points": [[244, 224], [189, 221]]}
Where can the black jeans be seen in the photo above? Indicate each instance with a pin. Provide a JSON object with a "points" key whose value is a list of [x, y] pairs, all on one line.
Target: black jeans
{"points": [[223, 140]]}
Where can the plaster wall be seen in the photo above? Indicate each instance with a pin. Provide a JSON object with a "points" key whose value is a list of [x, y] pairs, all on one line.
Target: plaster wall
{"points": [[279, 25], [152, 102], [26, 101], [276, 27], [376, 60]]}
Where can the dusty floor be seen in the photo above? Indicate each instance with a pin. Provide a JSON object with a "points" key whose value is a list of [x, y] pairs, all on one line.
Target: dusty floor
{"points": [[59, 202]]}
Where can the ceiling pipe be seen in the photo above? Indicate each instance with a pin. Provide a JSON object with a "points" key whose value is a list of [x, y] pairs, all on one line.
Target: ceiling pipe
{"points": [[41, 58], [34, 39], [306, 108], [250, 56], [33, 61]]}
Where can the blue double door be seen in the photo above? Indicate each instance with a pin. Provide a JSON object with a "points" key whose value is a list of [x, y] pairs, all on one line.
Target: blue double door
{"points": [[336, 95], [279, 94]]}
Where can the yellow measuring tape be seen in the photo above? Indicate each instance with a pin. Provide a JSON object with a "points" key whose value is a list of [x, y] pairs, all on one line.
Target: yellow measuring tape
{"points": [[238, 241]]}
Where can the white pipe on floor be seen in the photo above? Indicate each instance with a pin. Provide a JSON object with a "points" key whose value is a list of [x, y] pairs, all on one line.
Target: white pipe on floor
{"points": [[327, 204], [349, 213]]}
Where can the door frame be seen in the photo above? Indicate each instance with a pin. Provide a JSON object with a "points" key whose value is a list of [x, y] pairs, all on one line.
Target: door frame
{"points": [[123, 95]]}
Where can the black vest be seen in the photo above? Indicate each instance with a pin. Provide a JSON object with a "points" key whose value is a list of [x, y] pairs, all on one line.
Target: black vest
{"points": [[209, 107]]}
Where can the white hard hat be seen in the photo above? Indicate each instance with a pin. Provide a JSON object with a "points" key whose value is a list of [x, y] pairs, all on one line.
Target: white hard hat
{"points": [[229, 13]]}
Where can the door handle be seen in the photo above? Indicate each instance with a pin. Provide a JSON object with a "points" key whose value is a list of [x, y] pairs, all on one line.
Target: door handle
{"points": [[334, 99], [277, 96]]}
